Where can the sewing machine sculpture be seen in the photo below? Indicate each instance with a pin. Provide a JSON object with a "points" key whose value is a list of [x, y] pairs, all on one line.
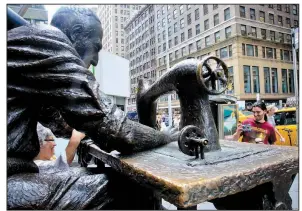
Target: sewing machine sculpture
{"points": [[232, 175]]}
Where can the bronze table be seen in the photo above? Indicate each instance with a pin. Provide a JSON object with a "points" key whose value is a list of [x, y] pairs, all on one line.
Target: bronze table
{"points": [[223, 177]]}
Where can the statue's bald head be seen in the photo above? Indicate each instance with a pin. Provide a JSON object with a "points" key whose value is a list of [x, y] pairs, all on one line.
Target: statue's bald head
{"points": [[83, 28]]}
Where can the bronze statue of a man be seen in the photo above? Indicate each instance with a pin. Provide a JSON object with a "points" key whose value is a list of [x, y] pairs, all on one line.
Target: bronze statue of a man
{"points": [[47, 68]]}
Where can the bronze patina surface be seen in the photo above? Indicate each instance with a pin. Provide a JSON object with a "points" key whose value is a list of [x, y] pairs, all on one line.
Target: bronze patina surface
{"points": [[184, 181]]}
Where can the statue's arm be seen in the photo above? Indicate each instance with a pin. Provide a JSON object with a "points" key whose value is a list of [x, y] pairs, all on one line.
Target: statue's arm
{"points": [[51, 118], [54, 75]]}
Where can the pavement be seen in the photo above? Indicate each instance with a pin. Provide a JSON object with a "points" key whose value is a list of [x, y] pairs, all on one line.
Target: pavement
{"points": [[293, 192]]}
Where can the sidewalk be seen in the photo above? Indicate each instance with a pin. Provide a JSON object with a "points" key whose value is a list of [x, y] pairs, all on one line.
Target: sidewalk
{"points": [[293, 192]]}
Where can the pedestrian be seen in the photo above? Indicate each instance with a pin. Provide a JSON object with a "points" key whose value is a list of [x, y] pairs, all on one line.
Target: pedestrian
{"points": [[256, 130], [271, 109]]}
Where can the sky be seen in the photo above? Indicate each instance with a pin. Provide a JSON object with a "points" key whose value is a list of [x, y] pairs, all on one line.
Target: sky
{"points": [[53, 8]]}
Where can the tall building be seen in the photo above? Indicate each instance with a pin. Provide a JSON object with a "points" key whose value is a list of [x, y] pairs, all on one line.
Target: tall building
{"points": [[113, 19], [34, 13], [253, 40], [141, 49]]}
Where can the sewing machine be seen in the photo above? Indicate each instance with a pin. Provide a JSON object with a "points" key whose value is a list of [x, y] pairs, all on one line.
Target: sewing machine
{"points": [[199, 167]]}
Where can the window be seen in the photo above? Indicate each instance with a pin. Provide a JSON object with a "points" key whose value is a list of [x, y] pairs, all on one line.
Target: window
{"points": [[197, 27], [175, 27], [182, 23], [263, 34], [181, 9], [175, 14], [164, 46], [288, 38], [291, 81], [288, 22], [230, 51], [205, 9], [279, 7], [296, 24], [267, 80], [256, 50], [272, 35], [243, 49], [198, 44], [176, 54], [169, 31], [263, 52], [287, 8], [281, 54], [262, 16], [216, 19], [207, 41], [189, 19], [254, 31], [215, 6], [206, 24], [115, 11], [217, 37], [281, 37], [163, 10], [116, 18], [158, 38], [284, 81], [228, 32], [158, 25], [243, 30], [176, 40], [249, 50], [170, 43], [227, 14], [170, 56], [169, 18], [280, 21], [196, 14], [182, 37], [189, 33], [183, 51], [269, 53], [188, 6], [286, 55], [190, 48], [271, 18], [242, 11], [271, 6], [252, 14], [223, 52], [274, 80], [116, 40], [256, 82], [116, 33], [295, 9], [247, 79], [159, 48], [164, 33]]}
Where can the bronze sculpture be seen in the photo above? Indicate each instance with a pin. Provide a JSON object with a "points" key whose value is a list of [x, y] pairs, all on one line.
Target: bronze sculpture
{"points": [[46, 69]]}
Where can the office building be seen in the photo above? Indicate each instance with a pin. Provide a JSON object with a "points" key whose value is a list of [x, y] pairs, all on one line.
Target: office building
{"points": [[33, 13], [253, 40], [114, 19]]}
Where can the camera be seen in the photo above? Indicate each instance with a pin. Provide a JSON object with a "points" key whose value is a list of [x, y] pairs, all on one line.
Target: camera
{"points": [[246, 128]]}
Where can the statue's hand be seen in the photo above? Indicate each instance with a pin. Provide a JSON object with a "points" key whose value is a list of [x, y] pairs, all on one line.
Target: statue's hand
{"points": [[173, 132]]}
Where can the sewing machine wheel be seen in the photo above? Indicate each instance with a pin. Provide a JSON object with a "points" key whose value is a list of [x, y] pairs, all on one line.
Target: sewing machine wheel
{"points": [[209, 77], [186, 133]]}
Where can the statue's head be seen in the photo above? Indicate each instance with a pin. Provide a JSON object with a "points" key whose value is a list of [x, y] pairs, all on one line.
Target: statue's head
{"points": [[83, 28]]}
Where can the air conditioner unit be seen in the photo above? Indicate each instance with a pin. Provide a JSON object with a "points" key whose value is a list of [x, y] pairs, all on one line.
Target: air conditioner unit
{"points": [[261, 19]]}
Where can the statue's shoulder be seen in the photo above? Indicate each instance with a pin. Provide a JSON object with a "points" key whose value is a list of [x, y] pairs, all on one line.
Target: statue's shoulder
{"points": [[41, 31]]}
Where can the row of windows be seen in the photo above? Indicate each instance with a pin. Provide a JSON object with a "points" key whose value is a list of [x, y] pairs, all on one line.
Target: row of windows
{"points": [[140, 19], [286, 7], [271, 16], [162, 23], [267, 52], [141, 68], [252, 82], [253, 32]]}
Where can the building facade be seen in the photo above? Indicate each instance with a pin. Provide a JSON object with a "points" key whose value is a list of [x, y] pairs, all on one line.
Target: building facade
{"points": [[35, 14], [141, 49], [253, 40], [114, 19]]}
